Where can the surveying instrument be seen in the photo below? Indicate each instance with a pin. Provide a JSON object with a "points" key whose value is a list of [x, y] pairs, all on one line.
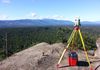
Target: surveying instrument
{"points": [[76, 30]]}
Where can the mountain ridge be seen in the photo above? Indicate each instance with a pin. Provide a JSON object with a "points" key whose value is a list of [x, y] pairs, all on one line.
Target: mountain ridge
{"points": [[40, 22]]}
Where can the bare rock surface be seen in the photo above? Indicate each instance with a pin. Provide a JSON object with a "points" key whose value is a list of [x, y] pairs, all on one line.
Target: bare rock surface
{"points": [[97, 52], [44, 56]]}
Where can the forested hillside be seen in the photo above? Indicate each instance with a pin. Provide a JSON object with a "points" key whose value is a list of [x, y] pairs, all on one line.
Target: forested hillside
{"points": [[16, 39]]}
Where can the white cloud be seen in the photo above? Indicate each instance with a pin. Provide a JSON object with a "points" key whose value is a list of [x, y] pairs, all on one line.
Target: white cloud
{"points": [[3, 17], [58, 17], [6, 1], [32, 15]]}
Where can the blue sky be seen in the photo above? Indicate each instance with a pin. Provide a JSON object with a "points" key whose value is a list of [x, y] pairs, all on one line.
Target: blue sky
{"points": [[87, 10]]}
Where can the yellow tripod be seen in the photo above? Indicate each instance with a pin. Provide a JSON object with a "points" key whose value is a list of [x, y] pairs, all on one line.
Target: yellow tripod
{"points": [[75, 30]]}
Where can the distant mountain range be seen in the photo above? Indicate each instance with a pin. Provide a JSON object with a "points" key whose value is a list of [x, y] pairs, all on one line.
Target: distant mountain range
{"points": [[40, 22]]}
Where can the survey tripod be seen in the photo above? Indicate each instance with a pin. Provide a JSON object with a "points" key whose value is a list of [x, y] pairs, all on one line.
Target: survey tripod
{"points": [[76, 30]]}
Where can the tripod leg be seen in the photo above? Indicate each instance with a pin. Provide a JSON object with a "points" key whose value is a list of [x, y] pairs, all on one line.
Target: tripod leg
{"points": [[70, 36], [69, 41], [84, 47]]}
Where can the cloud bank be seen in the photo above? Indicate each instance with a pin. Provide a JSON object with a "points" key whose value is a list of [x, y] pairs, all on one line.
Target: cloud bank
{"points": [[6, 1]]}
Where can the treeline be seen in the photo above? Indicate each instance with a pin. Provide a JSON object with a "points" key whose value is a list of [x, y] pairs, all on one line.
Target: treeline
{"points": [[16, 39], [13, 40]]}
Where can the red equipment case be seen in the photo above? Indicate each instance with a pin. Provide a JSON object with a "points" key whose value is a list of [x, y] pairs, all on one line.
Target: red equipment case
{"points": [[73, 59]]}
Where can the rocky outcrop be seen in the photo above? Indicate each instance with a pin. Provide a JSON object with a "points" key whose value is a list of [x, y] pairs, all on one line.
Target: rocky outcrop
{"points": [[39, 57], [44, 56], [97, 52]]}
